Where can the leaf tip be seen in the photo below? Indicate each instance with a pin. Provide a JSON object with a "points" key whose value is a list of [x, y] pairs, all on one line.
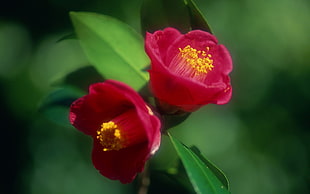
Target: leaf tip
{"points": [[73, 14]]}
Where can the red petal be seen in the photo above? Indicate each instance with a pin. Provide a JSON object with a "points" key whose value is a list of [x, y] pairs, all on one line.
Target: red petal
{"points": [[120, 165], [183, 92], [157, 44], [101, 104]]}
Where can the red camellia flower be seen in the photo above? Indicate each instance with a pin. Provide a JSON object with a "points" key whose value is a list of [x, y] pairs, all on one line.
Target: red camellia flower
{"points": [[124, 129], [188, 70]]}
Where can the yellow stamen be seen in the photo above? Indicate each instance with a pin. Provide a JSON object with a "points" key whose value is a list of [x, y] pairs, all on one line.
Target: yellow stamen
{"points": [[193, 63], [110, 137], [196, 59]]}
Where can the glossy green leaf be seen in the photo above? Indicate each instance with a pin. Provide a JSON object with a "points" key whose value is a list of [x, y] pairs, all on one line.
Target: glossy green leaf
{"points": [[216, 171], [113, 47], [197, 19], [201, 176]]}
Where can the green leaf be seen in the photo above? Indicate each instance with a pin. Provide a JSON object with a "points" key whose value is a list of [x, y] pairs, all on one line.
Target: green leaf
{"points": [[197, 19], [183, 15], [56, 105], [113, 47], [175, 179], [159, 14], [174, 120], [178, 172], [67, 37], [201, 176], [216, 171], [82, 78]]}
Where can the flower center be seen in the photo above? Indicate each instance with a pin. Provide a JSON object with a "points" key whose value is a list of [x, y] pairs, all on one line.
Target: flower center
{"points": [[192, 63], [200, 61], [110, 137]]}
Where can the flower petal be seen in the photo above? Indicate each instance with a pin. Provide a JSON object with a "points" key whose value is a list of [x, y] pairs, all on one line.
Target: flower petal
{"points": [[125, 130], [120, 165], [89, 112], [172, 84]]}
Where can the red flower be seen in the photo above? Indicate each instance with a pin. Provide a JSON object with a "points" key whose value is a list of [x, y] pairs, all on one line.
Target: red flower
{"points": [[124, 129], [188, 70]]}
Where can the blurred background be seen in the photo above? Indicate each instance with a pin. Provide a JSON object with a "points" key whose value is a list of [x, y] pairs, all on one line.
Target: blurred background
{"points": [[260, 139]]}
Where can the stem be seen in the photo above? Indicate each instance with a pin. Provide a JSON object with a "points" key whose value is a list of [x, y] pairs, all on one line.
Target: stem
{"points": [[144, 180]]}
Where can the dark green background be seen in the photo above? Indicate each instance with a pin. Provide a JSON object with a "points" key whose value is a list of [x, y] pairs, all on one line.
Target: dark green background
{"points": [[260, 139]]}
